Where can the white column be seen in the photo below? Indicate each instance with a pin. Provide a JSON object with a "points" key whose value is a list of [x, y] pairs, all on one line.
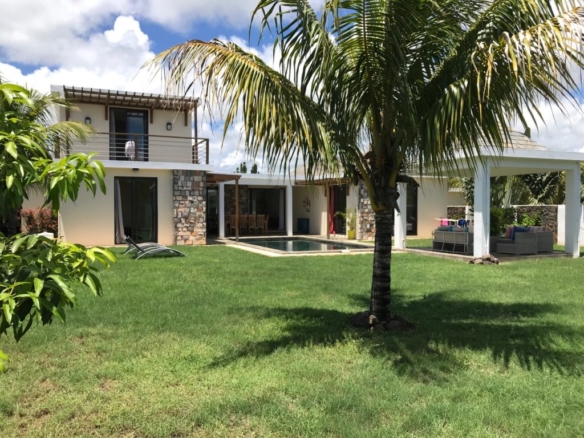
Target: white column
{"points": [[573, 212], [289, 231], [400, 219], [482, 209], [222, 210]]}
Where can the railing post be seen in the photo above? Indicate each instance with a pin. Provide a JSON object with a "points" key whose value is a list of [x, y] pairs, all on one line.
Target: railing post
{"points": [[195, 151], [207, 151], [135, 148]]}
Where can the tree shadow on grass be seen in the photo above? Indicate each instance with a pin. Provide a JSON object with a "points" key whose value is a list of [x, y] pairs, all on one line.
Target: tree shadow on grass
{"points": [[513, 333]]}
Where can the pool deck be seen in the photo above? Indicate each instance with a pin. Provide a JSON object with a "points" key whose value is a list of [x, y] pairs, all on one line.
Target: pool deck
{"points": [[241, 244]]}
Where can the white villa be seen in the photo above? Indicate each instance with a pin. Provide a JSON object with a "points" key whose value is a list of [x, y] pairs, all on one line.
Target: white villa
{"points": [[160, 186]]}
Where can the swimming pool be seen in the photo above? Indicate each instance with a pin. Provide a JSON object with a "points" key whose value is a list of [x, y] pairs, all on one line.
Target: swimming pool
{"points": [[303, 245]]}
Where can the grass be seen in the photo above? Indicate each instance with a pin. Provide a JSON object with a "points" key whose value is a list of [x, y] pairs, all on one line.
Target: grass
{"points": [[229, 343]]}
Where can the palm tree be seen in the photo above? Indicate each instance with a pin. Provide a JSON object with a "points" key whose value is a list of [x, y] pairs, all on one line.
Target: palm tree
{"points": [[374, 87], [37, 108]]}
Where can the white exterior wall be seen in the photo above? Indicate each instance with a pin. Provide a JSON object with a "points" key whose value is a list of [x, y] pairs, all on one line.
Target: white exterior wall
{"points": [[562, 225], [90, 220], [35, 200], [316, 212], [157, 127], [160, 150], [433, 200]]}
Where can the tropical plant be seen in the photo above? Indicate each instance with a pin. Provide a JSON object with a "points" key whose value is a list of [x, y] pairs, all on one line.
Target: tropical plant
{"points": [[59, 136], [39, 276], [242, 168], [350, 215], [370, 88], [530, 220]]}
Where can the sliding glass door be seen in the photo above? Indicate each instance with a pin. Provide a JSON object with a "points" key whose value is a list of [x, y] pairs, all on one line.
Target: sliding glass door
{"points": [[136, 208], [128, 134]]}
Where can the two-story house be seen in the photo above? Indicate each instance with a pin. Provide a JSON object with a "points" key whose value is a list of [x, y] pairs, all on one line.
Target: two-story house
{"points": [[156, 166], [161, 187]]}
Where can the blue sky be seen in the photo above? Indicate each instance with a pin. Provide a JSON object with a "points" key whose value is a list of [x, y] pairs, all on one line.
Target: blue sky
{"points": [[103, 43]]}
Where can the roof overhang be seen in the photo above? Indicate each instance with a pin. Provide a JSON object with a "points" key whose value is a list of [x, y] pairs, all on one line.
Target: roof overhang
{"points": [[216, 178], [128, 99], [323, 181], [517, 162]]}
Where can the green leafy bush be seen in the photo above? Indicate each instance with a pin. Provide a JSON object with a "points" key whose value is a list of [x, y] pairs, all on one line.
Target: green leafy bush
{"points": [[509, 216], [39, 277], [497, 221], [530, 220]]}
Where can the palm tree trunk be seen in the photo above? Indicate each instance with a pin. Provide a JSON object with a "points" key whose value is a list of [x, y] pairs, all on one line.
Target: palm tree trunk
{"points": [[381, 281]]}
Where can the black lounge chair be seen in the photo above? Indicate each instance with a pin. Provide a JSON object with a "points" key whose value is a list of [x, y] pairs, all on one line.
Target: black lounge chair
{"points": [[132, 246], [149, 248]]}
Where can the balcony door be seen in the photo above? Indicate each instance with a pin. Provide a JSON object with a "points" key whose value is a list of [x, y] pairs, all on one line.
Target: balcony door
{"points": [[128, 134], [136, 209]]}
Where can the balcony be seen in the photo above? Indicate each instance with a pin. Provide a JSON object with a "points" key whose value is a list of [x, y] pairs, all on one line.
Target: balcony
{"points": [[110, 146]]}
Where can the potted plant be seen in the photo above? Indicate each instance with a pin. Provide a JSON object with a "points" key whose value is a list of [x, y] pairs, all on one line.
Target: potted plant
{"points": [[350, 215]]}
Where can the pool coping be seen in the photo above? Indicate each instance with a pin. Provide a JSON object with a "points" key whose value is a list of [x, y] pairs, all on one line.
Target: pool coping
{"points": [[278, 253]]}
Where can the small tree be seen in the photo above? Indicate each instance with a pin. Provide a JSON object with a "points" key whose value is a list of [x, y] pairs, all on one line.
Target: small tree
{"points": [[254, 168], [39, 277]]}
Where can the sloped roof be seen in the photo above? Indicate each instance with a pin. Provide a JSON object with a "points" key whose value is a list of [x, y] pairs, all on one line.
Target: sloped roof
{"points": [[522, 141]]}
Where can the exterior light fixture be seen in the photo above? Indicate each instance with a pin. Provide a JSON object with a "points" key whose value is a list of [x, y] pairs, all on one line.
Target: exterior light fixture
{"points": [[169, 126], [88, 120]]}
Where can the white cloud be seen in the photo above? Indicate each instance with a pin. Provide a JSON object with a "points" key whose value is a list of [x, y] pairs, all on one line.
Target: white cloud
{"points": [[108, 59], [100, 43], [187, 14], [561, 131]]}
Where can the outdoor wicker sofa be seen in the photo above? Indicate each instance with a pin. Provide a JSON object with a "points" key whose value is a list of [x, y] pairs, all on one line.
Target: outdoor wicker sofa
{"points": [[524, 243], [453, 241], [536, 243]]}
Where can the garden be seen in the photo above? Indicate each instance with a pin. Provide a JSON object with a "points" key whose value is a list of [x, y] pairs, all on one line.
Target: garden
{"points": [[227, 343]]}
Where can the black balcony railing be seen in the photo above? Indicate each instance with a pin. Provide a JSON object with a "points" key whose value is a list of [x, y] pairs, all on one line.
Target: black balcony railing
{"points": [[140, 147]]}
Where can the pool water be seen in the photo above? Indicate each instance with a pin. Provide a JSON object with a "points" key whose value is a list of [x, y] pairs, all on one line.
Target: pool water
{"points": [[303, 245]]}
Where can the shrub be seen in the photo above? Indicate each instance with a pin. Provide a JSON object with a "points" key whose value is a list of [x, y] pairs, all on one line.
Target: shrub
{"points": [[497, 223], [530, 220], [509, 216], [38, 220]]}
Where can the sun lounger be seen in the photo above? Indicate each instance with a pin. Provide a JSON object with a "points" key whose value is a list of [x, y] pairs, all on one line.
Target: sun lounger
{"points": [[132, 246], [150, 249]]}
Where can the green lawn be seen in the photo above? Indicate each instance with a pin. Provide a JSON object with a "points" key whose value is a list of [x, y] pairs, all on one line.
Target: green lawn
{"points": [[229, 343]]}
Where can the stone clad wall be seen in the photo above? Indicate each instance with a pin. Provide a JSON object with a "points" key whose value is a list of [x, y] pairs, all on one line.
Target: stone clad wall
{"points": [[366, 223], [547, 213], [456, 212], [189, 207], [230, 199]]}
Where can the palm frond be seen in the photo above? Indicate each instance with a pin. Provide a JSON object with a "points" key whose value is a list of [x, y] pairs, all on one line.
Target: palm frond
{"points": [[280, 122]]}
